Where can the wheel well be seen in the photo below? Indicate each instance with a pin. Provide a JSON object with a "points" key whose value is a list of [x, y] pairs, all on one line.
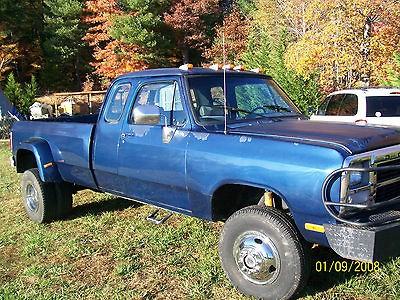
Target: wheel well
{"points": [[25, 160], [232, 197]]}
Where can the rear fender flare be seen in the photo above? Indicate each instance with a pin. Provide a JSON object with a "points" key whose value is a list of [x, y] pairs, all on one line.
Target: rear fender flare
{"points": [[45, 163]]}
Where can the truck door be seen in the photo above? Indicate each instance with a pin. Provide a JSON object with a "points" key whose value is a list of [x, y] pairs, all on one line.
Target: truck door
{"points": [[107, 135], [152, 170]]}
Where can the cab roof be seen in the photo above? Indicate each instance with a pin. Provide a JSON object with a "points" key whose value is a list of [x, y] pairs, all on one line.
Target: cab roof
{"points": [[179, 72]]}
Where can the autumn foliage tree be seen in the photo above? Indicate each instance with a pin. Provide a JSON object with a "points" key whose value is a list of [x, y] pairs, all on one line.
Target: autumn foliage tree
{"points": [[22, 22], [192, 22], [393, 78], [352, 42], [8, 54], [112, 56], [231, 39]]}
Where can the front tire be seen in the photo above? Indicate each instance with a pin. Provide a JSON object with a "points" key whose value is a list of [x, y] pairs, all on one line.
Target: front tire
{"points": [[263, 254], [39, 197]]}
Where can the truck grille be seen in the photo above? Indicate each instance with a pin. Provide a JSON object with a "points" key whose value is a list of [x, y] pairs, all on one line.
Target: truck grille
{"points": [[387, 186], [369, 184]]}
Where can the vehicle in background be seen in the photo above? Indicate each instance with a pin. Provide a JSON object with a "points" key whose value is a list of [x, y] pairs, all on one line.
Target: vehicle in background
{"points": [[372, 106]]}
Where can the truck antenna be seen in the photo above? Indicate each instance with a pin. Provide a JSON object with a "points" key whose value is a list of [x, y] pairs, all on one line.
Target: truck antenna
{"points": [[225, 104]]}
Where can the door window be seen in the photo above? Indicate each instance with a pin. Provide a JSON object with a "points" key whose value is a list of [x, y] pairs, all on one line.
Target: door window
{"points": [[349, 105], [339, 105], [167, 97]]}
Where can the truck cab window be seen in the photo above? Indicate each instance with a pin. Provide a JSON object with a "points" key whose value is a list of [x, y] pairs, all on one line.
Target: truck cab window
{"points": [[117, 102], [167, 97]]}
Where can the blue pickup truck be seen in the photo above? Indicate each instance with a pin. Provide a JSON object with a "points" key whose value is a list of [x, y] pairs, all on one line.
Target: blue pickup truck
{"points": [[224, 145]]}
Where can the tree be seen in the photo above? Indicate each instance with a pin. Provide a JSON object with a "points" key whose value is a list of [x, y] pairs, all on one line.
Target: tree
{"points": [[8, 55], [295, 17], [13, 89], [192, 23], [23, 22], [267, 52], [351, 42], [63, 48], [231, 38], [21, 98], [393, 78], [112, 56]]}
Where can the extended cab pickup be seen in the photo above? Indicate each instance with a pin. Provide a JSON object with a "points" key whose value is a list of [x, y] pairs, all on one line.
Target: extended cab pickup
{"points": [[226, 146]]}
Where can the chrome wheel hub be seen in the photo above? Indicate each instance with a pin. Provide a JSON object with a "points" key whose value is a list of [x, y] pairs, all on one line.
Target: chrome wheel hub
{"points": [[256, 257], [31, 198]]}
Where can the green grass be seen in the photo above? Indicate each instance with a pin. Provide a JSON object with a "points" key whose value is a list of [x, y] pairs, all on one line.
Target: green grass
{"points": [[105, 249]]}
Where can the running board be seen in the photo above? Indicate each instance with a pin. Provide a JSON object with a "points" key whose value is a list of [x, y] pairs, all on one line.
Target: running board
{"points": [[153, 217]]}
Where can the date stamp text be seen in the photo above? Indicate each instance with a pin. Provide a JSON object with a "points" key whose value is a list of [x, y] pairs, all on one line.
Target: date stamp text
{"points": [[347, 266]]}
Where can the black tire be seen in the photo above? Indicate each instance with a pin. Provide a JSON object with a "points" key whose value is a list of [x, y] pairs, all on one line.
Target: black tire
{"points": [[263, 253], [64, 199], [39, 197]]}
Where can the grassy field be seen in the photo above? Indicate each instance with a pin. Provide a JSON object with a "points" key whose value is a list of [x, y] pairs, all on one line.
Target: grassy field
{"points": [[106, 250]]}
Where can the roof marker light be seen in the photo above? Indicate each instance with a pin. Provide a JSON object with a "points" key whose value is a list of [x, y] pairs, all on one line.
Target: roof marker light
{"points": [[239, 68], [186, 67], [215, 67], [257, 70], [228, 67]]}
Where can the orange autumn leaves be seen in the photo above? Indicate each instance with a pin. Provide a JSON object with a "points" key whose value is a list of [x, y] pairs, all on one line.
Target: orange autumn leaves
{"points": [[112, 57], [345, 42]]}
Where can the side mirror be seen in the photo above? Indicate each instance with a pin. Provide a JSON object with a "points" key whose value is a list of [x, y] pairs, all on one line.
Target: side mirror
{"points": [[147, 114]]}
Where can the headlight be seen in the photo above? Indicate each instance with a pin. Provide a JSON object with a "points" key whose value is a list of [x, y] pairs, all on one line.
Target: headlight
{"points": [[355, 178], [355, 186]]}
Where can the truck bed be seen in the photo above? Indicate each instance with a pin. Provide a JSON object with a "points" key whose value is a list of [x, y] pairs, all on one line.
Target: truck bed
{"points": [[89, 119], [68, 140]]}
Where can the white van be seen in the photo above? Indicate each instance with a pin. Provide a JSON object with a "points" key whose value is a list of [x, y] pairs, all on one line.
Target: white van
{"points": [[375, 106]]}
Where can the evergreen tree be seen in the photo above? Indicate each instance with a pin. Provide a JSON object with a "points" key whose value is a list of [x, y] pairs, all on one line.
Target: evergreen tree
{"points": [[64, 51], [140, 23], [21, 98], [13, 89]]}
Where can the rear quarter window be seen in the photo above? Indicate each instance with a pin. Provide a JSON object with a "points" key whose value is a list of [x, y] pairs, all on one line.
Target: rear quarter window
{"points": [[383, 106], [117, 102]]}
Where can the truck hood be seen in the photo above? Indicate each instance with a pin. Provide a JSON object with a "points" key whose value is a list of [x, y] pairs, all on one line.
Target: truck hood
{"points": [[351, 138]]}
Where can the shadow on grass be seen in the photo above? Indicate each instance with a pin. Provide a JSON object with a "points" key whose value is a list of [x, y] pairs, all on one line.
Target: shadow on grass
{"points": [[327, 271], [101, 207]]}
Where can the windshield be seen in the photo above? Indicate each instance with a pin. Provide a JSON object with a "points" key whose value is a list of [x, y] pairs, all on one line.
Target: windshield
{"points": [[247, 98]]}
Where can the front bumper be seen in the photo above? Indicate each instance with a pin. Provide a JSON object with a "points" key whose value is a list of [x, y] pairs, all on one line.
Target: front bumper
{"points": [[364, 244]]}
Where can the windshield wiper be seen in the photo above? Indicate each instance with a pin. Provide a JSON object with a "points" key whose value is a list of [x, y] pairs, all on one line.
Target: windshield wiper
{"points": [[235, 109], [277, 108]]}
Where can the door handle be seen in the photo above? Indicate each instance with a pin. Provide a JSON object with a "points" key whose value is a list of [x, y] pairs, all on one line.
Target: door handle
{"points": [[123, 135]]}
